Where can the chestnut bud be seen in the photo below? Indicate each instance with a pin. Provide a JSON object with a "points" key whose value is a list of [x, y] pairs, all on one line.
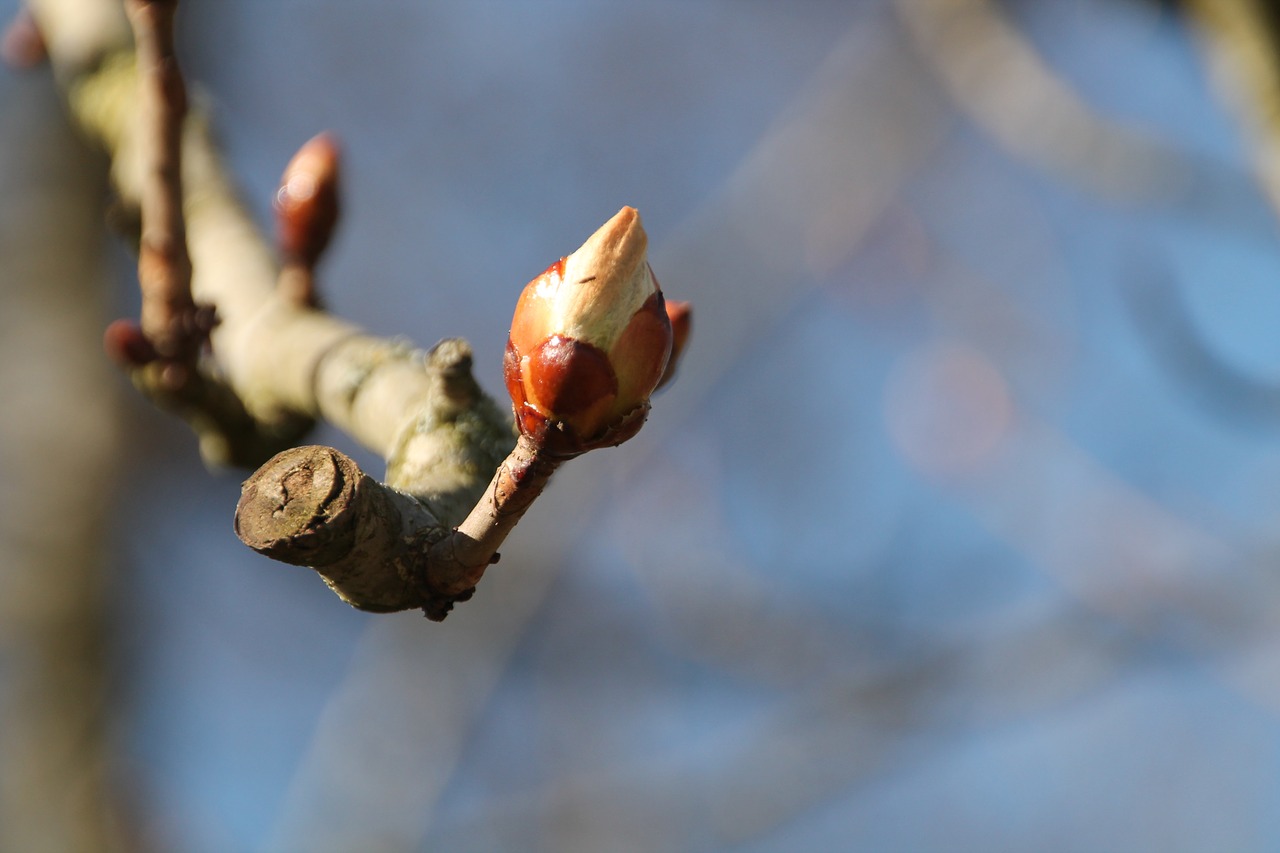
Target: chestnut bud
{"points": [[22, 45], [589, 341], [307, 203], [681, 316], [127, 346]]}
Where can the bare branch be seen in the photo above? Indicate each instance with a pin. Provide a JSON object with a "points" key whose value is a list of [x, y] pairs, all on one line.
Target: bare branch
{"points": [[460, 559], [169, 316], [379, 549], [282, 362]]}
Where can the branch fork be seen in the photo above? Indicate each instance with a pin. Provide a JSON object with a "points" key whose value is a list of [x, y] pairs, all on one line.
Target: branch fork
{"points": [[590, 340], [612, 340]]}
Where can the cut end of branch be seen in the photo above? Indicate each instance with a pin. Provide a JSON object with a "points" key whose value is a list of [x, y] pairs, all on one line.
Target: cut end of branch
{"points": [[313, 506], [298, 507]]}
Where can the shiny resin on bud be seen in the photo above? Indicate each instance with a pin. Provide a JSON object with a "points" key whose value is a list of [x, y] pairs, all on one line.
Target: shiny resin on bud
{"points": [[589, 342], [306, 203]]}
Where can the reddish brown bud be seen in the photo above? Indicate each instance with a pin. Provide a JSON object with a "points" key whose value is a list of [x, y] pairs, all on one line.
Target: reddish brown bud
{"points": [[681, 316], [307, 203], [22, 45], [127, 346], [589, 341]]}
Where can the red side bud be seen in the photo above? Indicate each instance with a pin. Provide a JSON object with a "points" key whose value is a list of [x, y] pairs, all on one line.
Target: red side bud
{"points": [[22, 46], [307, 202], [127, 346], [589, 341], [681, 316]]}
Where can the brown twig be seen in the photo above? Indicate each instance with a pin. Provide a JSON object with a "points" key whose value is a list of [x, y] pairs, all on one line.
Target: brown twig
{"points": [[459, 560], [170, 319], [162, 350]]}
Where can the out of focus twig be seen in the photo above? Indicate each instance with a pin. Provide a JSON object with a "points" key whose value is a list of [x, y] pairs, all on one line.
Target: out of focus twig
{"points": [[996, 77], [1242, 46], [169, 314]]}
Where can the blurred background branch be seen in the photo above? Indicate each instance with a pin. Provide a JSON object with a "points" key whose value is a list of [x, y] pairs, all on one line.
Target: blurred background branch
{"points": [[1242, 48], [60, 450]]}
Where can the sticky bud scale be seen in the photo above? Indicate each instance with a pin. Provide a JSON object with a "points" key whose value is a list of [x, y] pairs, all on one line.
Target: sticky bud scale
{"points": [[589, 342]]}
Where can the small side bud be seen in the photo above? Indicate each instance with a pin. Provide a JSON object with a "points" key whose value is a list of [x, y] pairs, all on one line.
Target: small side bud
{"points": [[307, 203], [681, 316], [589, 342], [22, 46], [127, 346]]}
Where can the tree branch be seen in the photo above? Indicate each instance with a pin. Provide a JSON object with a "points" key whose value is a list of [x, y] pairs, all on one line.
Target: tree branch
{"points": [[379, 549], [427, 536], [164, 268]]}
